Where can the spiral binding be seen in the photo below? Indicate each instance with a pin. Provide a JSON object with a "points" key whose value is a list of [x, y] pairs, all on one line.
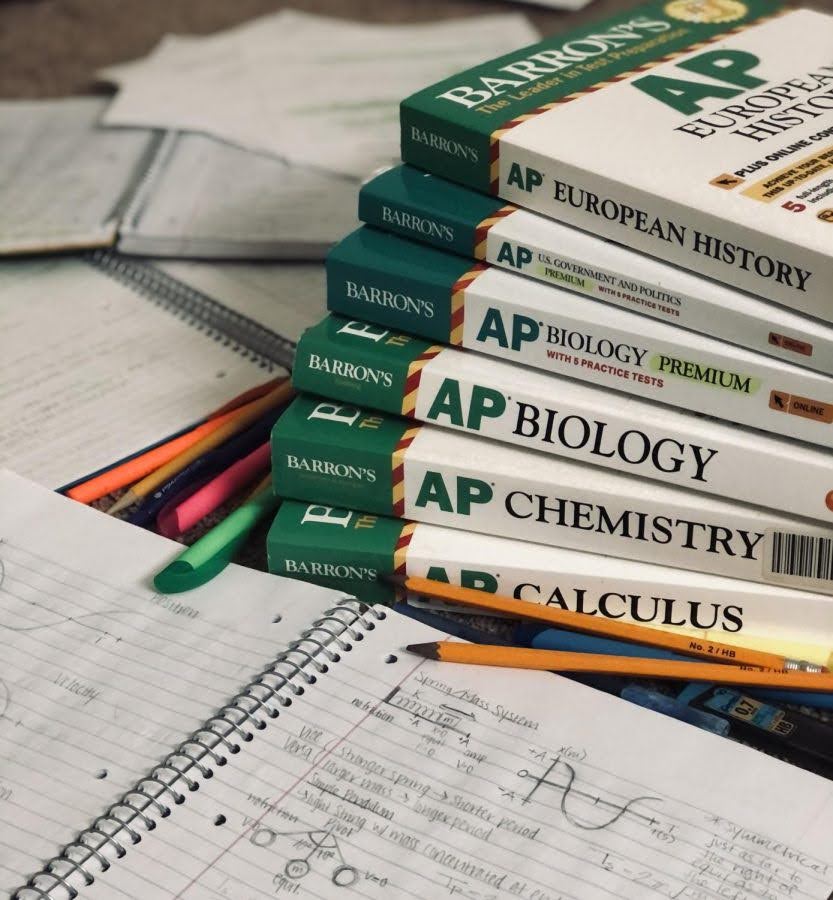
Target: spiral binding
{"points": [[111, 834], [243, 335]]}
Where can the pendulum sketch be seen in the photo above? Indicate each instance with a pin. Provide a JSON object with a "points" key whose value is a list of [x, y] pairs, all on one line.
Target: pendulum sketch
{"points": [[320, 844], [568, 789]]}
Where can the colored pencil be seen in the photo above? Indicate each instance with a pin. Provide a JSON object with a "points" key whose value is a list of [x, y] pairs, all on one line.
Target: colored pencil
{"points": [[141, 464], [623, 631], [244, 417], [632, 667]]}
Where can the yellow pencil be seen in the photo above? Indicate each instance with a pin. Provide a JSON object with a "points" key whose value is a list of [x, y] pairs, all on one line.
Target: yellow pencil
{"points": [[247, 415], [597, 663], [623, 631]]}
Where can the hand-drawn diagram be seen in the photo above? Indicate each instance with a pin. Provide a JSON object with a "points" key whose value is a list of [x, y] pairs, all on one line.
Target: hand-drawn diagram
{"points": [[58, 619], [614, 810], [315, 845]]}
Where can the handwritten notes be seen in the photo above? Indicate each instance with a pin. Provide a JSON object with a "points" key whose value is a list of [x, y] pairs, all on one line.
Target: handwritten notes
{"points": [[397, 777], [100, 677]]}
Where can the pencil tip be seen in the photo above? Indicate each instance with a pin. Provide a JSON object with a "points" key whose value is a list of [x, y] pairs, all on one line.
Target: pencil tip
{"points": [[429, 650], [123, 502]]}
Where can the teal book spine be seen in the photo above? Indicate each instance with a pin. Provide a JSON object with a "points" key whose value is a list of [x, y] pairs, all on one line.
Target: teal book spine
{"points": [[360, 363], [419, 206], [339, 455], [338, 548], [399, 284]]}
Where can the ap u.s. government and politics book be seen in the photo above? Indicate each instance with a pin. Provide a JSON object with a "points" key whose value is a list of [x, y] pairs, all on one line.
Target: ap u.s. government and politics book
{"points": [[360, 363], [420, 206], [405, 285], [354, 551], [697, 131], [341, 455]]}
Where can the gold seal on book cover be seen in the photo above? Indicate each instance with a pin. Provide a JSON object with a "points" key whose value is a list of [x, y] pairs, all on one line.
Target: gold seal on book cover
{"points": [[706, 11]]}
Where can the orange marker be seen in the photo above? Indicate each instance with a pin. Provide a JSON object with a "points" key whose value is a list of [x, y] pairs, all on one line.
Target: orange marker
{"points": [[134, 469], [243, 417]]}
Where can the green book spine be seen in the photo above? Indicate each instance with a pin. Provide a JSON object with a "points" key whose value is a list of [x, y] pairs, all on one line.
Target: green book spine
{"points": [[415, 205], [397, 283], [358, 362], [337, 548], [326, 452], [453, 127]]}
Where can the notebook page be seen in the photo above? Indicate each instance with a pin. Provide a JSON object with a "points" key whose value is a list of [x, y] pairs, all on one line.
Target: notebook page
{"points": [[286, 297], [101, 677], [62, 179], [91, 371], [208, 198], [395, 776]]}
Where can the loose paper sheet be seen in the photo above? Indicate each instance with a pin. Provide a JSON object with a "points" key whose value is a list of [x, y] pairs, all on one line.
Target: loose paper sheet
{"points": [[314, 91]]}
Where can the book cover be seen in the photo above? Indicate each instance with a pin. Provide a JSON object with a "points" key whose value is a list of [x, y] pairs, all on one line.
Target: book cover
{"points": [[352, 550], [418, 289], [341, 455], [425, 208], [700, 133], [360, 363]]}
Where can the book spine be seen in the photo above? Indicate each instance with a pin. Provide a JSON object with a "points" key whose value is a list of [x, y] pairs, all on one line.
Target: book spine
{"points": [[423, 207], [418, 206], [338, 548], [512, 318], [357, 362], [461, 482], [398, 284], [391, 372], [340, 455]]}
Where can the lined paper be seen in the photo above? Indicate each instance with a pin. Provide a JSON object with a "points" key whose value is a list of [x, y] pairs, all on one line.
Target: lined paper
{"points": [[395, 776], [101, 677], [92, 371]]}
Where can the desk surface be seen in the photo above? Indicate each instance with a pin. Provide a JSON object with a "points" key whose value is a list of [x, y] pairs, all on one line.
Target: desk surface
{"points": [[52, 48]]}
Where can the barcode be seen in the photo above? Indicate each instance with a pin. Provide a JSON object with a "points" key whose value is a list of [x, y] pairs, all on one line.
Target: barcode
{"points": [[802, 555]]}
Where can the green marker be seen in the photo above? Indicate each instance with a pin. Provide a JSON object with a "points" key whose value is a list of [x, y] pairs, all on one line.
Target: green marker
{"points": [[215, 550]]}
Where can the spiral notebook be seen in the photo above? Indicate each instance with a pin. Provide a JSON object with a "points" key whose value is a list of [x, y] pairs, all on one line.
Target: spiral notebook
{"points": [[104, 355], [68, 183], [286, 744]]}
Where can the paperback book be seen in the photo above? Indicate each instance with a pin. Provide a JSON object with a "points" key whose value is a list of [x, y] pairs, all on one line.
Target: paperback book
{"points": [[700, 133], [418, 289], [431, 210], [340, 455], [360, 363], [336, 547]]}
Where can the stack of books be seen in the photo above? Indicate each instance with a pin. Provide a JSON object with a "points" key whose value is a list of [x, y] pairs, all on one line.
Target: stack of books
{"points": [[581, 351]]}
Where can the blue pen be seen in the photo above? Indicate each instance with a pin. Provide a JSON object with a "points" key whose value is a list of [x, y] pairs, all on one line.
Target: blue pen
{"points": [[205, 467], [556, 639]]}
